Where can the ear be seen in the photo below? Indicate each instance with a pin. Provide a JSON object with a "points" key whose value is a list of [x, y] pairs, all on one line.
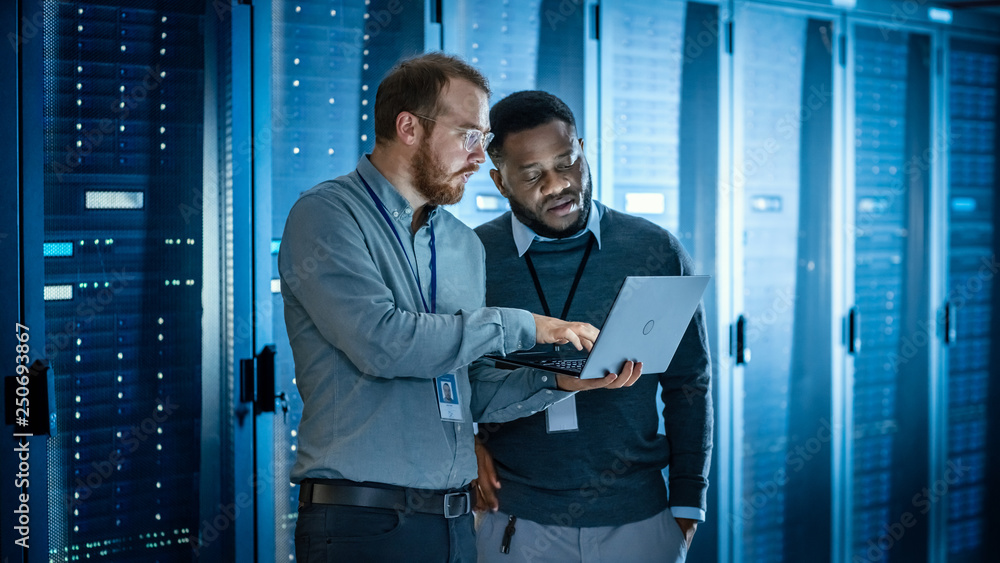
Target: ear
{"points": [[407, 128], [498, 181], [581, 142]]}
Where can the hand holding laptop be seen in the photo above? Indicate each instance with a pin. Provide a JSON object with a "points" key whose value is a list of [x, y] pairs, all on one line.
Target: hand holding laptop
{"points": [[629, 374], [647, 320]]}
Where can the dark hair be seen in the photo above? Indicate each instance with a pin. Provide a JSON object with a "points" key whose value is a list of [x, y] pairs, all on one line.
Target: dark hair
{"points": [[414, 85], [521, 111]]}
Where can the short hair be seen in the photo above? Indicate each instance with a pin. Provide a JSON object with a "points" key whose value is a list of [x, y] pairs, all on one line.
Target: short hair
{"points": [[415, 85], [521, 111]]}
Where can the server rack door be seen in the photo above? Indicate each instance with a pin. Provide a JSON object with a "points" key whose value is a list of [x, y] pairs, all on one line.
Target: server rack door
{"points": [[969, 320], [656, 148], [315, 120], [518, 45], [890, 438], [784, 96], [123, 90]]}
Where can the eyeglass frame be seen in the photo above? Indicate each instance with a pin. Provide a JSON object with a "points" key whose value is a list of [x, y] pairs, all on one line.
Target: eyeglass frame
{"points": [[484, 140]]}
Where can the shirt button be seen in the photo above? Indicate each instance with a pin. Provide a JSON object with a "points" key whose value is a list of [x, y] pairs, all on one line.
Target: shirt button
{"points": [[522, 406], [395, 213], [458, 427], [548, 391], [545, 378]]}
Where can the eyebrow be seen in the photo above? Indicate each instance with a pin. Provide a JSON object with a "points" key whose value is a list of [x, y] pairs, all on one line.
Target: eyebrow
{"points": [[471, 125], [533, 164]]}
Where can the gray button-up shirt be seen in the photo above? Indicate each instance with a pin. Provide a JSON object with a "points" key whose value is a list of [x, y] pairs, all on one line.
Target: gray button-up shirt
{"points": [[366, 352]]}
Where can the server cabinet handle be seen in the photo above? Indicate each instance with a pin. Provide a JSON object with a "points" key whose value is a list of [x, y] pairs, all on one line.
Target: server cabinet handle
{"points": [[742, 351], [265, 380], [950, 330], [257, 380], [854, 330], [247, 380]]}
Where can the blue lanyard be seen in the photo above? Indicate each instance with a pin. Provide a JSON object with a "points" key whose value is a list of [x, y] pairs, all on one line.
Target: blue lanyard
{"points": [[388, 221]]}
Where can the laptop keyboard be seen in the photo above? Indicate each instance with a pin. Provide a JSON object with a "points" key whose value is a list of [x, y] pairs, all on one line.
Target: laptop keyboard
{"points": [[572, 365]]}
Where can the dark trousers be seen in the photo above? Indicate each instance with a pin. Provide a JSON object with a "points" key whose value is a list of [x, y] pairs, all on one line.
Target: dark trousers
{"points": [[326, 533]]}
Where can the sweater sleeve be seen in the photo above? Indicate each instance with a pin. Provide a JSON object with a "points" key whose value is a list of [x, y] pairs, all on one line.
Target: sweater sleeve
{"points": [[687, 411]]}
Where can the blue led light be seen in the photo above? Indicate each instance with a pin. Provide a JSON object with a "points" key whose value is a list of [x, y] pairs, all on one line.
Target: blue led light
{"points": [[57, 249]]}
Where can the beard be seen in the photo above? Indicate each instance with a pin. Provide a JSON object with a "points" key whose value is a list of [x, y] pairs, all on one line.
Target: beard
{"points": [[430, 178], [534, 222]]}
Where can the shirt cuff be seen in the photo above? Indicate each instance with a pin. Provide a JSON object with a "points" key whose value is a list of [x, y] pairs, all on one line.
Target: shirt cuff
{"points": [[547, 391], [689, 512], [518, 329]]}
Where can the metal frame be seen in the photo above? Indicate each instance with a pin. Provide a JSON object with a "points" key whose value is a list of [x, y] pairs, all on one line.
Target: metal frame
{"points": [[725, 451], [263, 309], [736, 200], [843, 295], [212, 353], [242, 313]]}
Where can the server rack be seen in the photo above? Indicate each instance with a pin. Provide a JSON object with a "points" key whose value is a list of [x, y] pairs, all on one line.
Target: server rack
{"points": [[123, 91], [970, 453]]}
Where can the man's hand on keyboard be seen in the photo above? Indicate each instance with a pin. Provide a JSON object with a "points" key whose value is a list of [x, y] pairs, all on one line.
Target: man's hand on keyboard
{"points": [[629, 374]]}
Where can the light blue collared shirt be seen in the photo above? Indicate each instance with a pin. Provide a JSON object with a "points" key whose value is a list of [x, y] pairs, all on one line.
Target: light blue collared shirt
{"points": [[366, 352], [524, 236]]}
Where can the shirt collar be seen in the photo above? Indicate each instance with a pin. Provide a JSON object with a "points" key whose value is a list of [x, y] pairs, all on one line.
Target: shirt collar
{"points": [[524, 236], [395, 204]]}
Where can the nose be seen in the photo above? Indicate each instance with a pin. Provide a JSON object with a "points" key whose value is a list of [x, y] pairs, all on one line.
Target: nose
{"points": [[554, 183], [478, 154]]}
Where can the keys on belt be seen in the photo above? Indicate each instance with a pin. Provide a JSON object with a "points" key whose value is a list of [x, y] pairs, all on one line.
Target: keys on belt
{"points": [[448, 504]]}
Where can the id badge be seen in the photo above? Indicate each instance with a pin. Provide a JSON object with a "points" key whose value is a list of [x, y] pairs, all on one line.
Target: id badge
{"points": [[561, 416], [449, 403]]}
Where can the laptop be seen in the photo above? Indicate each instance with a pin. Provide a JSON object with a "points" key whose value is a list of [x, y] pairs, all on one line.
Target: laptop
{"points": [[646, 323]]}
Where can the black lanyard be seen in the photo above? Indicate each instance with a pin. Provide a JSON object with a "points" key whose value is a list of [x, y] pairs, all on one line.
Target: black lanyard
{"points": [[388, 221], [572, 290]]}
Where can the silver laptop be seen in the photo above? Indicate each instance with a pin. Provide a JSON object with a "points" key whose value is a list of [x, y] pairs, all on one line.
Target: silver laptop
{"points": [[646, 323]]}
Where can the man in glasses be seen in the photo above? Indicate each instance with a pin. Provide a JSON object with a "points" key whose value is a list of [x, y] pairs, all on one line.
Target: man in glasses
{"points": [[384, 306], [592, 491]]}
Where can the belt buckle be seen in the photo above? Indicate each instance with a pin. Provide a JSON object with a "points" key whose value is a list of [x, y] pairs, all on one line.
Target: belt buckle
{"points": [[457, 504]]}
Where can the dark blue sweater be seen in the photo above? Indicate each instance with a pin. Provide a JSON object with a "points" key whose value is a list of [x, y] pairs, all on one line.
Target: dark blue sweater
{"points": [[609, 472]]}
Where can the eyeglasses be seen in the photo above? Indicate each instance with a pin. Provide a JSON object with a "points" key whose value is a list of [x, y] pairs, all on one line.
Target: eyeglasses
{"points": [[471, 138]]}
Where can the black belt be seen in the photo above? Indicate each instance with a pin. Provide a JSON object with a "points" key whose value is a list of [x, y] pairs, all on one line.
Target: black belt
{"points": [[447, 504]]}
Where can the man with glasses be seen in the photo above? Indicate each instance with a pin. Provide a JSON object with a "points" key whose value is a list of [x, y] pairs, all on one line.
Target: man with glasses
{"points": [[384, 297]]}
